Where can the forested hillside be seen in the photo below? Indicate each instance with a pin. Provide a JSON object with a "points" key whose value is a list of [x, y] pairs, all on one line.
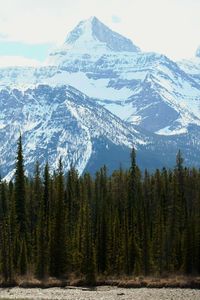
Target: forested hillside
{"points": [[129, 223]]}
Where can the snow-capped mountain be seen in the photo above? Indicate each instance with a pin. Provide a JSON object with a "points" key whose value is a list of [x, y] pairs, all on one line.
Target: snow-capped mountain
{"points": [[93, 36], [58, 122], [147, 89], [143, 88], [63, 122], [133, 99]]}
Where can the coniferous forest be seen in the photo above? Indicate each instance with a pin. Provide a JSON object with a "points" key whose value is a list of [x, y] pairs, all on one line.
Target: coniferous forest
{"points": [[130, 222]]}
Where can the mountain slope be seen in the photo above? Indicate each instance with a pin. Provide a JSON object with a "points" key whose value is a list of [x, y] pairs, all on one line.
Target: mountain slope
{"points": [[62, 122], [58, 122]]}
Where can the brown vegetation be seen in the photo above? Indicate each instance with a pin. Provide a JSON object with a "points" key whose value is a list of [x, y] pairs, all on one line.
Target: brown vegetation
{"points": [[125, 282]]}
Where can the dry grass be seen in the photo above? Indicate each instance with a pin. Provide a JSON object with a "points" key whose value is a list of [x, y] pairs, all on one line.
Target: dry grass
{"points": [[123, 282], [156, 282]]}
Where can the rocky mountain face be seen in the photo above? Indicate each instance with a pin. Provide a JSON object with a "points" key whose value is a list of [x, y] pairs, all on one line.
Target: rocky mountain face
{"points": [[59, 122], [98, 96]]}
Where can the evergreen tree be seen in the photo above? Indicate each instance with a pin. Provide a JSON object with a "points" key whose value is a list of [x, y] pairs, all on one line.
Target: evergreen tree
{"points": [[23, 262], [118, 224], [20, 197], [43, 239], [59, 238]]}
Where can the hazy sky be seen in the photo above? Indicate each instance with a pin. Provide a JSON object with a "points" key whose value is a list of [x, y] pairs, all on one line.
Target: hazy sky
{"points": [[30, 28]]}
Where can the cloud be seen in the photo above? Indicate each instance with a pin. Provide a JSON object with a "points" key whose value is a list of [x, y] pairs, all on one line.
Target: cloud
{"points": [[39, 51], [116, 19], [3, 36], [18, 61]]}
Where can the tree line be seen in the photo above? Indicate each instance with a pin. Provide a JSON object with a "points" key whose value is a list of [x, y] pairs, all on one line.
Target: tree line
{"points": [[132, 223]]}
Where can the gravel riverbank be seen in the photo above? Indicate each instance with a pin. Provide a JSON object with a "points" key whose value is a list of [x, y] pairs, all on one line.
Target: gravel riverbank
{"points": [[100, 293]]}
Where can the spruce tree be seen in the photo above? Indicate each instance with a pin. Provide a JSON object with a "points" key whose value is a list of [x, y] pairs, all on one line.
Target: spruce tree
{"points": [[20, 196], [23, 261], [59, 238], [43, 239]]}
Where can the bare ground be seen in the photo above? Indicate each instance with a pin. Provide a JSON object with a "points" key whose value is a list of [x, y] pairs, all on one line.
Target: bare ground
{"points": [[100, 293]]}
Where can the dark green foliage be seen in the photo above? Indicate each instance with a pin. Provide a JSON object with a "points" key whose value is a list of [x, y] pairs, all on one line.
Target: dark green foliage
{"points": [[59, 227], [42, 221], [20, 191], [6, 251], [23, 262], [124, 224]]}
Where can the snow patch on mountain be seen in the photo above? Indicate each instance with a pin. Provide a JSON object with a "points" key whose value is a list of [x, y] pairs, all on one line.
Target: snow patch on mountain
{"points": [[190, 66], [98, 88], [170, 131]]}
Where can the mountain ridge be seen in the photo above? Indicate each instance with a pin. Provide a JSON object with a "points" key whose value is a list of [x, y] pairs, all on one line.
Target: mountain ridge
{"points": [[152, 99]]}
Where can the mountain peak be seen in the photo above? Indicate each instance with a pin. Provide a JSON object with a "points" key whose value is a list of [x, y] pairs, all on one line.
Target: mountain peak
{"points": [[93, 34], [93, 18]]}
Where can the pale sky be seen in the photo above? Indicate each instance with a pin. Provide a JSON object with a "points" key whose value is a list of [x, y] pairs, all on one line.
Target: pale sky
{"points": [[29, 29]]}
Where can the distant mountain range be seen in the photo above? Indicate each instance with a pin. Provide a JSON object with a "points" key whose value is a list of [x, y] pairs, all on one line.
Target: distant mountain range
{"points": [[99, 96]]}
